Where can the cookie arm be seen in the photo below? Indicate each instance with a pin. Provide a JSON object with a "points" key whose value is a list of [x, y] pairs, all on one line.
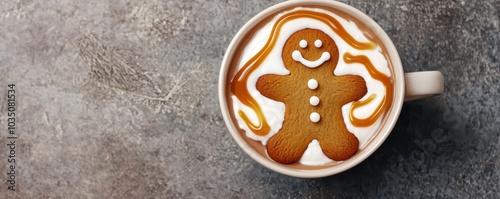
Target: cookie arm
{"points": [[354, 87], [272, 86]]}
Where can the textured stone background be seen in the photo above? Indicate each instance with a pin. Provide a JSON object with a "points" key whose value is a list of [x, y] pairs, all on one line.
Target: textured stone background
{"points": [[118, 99]]}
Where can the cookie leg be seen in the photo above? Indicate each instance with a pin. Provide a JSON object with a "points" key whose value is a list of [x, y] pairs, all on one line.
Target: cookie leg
{"points": [[287, 146], [340, 149]]}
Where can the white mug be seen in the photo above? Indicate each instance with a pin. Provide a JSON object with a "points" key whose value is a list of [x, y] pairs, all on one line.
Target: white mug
{"points": [[406, 86]]}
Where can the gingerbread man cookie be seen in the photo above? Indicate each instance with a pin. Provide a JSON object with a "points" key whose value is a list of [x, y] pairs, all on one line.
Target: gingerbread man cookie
{"points": [[313, 97]]}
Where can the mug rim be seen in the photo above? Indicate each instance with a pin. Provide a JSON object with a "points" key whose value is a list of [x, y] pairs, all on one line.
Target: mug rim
{"points": [[377, 140]]}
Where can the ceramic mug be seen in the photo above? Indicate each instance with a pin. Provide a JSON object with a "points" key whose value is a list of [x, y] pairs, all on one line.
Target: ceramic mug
{"points": [[406, 86]]}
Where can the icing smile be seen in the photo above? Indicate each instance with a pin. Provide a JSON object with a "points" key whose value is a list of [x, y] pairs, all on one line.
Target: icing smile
{"points": [[297, 55]]}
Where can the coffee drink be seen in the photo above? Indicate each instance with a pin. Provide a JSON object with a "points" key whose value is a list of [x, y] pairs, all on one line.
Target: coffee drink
{"points": [[309, 86]]}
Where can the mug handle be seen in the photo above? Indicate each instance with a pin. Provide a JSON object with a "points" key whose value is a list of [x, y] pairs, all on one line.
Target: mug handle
{"points": [[424, 84]]}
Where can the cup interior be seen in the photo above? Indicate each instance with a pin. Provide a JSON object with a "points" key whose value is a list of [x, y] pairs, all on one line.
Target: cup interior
{"points": [[389, 118]]}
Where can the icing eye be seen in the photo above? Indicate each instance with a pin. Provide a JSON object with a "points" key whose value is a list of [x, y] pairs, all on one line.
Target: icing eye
{"points": [[318, 43], [303, 43]]}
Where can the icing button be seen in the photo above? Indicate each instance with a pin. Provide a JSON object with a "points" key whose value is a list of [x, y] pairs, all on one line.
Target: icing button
{"points": [[312, 84], [314, 117], [314, 100]]}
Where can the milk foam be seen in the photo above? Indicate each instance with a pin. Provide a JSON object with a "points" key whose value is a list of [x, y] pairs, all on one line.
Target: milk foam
{"points": [[274, 111]]}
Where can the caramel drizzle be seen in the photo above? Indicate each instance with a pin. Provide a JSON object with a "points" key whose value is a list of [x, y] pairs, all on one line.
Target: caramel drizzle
{"points": [[375, 74], [239, 82]]}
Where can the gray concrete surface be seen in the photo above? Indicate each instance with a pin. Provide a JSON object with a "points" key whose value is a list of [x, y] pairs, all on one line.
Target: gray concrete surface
{"points": [[118, 99]]}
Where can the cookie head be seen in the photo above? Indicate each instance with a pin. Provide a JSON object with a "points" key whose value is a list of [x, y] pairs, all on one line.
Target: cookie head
{"points": [[310, 49]]}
